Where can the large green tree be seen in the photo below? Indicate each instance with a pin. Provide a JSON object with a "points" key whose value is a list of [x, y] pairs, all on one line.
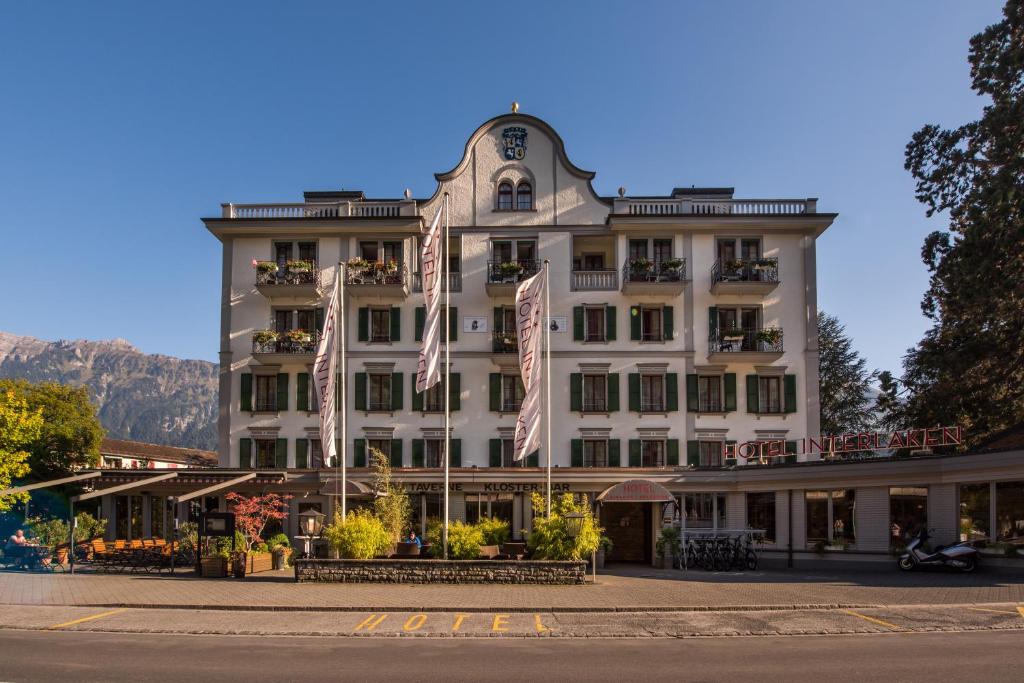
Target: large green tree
{"points": [[19, 427], [844, 380], [969, 367], [71, 433]]}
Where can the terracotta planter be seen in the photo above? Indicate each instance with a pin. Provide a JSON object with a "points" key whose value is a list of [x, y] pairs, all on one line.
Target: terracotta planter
{"points": [[60, 555], [213, 567]]}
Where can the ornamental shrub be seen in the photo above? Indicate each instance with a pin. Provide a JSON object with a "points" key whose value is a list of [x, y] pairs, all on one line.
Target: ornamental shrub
{"points": [[550, 538], [464, 541], [50, 532], [359, 536], [278, 540], [89, 527], [495, 531]]}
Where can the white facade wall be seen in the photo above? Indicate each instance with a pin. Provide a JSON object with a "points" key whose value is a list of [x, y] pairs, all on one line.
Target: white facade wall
{"points": [[872, 517]]}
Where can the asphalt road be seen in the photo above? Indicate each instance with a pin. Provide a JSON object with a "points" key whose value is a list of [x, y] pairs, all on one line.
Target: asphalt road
{"points": [[77, 656]]}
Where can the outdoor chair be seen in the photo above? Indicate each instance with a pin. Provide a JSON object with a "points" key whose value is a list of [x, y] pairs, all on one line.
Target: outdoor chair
{"points": [[489, 552], [513, 551], [14, 558], [405, 550]]}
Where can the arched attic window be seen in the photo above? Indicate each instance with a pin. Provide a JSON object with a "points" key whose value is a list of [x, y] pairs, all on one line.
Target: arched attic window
{"points": [[524, 196], [505, 196]]}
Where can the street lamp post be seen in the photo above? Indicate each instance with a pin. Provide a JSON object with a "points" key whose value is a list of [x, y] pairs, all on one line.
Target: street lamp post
{"points": [[311, 524], [574, 527]]}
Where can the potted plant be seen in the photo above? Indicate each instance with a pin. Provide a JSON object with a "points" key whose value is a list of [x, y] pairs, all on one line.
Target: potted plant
{"points": [[732, 269], [640, 265], [262, 337], [265, 266], [510, 270], [299, 336], [214, 566], [667, 546], [252, 514], [770, 336], [281, 550], [733, 334], [300, 266], [604, 549]]}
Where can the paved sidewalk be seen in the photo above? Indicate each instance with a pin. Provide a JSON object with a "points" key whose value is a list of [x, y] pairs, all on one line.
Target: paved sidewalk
{"points": [[619, 590]]}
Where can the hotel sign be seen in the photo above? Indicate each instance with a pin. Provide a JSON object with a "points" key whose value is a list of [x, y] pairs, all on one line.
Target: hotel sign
{"points": [[849, 443], [636, 491]]}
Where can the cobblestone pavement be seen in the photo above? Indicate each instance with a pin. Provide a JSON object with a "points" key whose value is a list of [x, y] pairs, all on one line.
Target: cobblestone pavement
{"points": [[619, 589]]}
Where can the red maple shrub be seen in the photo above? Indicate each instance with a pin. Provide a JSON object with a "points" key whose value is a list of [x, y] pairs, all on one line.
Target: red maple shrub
{"points": [[253, 512]]}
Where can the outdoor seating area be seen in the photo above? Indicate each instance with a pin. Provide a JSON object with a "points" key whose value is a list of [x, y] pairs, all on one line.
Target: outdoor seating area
{"points": [[138, 555]]}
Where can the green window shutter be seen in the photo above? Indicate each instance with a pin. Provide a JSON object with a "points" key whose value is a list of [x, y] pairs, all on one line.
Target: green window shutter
{"points": [[752, 406], [494, 458], [364, 324], [634, 452], [360, 391], [634, 323], [614, 456], [453, 324], [789, 392], [672, 448], [302, 391], [634, 392], [576, 453], [281, 454], [577, 323], [671, 391], [456, 445], [396, 324], [692, 404], [499, 319], [421, 322], [613, 392], [282, 391], [396, 452], [533, 459], [246, 394], [667, 331], [397, 391], [301, 451], [245, 453], [609, 323], [417, 452], [359, 453], [455, 391], [495, 387], [320, 316], [576, 392], [730, 391], [693, 453], [417, 398]]}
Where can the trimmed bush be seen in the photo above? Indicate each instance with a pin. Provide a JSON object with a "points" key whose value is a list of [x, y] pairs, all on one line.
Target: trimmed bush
{"points": [[550, 538], [495, 531], [360, 536], [464, 541]]}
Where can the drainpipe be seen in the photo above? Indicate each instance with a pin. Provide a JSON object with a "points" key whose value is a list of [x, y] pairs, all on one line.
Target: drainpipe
{"points": [[789, 536]]}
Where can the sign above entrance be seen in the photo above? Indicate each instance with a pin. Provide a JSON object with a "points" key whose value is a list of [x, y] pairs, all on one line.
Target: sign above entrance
{"points": [[834, 446], [636, 491]]}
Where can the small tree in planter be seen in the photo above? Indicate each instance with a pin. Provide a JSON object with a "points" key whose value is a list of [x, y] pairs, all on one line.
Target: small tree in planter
{"points": [[252, 513], [359, 536], [667, 546], [391, 505], [550, 539]]}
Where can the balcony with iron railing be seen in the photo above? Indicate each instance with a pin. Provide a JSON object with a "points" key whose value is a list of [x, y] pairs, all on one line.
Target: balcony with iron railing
{"points": [[377, 279], [763, 344], [644, 276], [504, 343], [269, 346], [454, 282], [504, 276], [689, 206], [745, 276], [595, 280], [292, 278]]}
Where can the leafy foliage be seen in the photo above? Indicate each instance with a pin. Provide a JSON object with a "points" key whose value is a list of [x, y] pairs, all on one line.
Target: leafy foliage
{"points": [[50, 532], [278, 541], [464, 541], [89, 527], [550, 538], [392, 504], [668, 540], [253, 512], [359, 536], [845, 383], [495, 531], [20, 426], [969, 367]]}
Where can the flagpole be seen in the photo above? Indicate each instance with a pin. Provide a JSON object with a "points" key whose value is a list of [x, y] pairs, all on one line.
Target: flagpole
{"points": [[447, 370], [344, 388], [547, 371]]}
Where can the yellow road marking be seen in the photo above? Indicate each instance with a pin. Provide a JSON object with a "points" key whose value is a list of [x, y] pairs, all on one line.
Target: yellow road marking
{"points": [[371, 622], [1021, 610], [84, 619], [459, 618], [541, 628], [414, 623], [997, 611], [499, 621], [872, 619]]}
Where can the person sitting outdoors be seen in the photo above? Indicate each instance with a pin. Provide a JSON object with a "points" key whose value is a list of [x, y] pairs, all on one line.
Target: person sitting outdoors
{"points": [[413, 538], [16, 546], [17, 539]]}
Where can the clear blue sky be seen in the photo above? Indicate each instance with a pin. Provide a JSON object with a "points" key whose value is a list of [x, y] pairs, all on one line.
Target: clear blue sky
{"points": [[121, 124]]}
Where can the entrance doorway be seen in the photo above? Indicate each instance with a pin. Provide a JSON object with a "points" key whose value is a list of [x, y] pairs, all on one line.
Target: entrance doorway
{"points": [[628, 525]]}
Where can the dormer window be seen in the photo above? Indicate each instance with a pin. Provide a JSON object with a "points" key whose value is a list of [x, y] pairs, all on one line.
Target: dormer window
{"points": [[505, 196], [524, 197]]}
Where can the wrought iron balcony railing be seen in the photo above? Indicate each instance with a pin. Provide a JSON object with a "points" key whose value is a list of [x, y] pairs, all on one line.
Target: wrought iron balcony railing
{"points": [[299, 272], [292, 342], [505, 342], [746, 270], [375, 273], [765, 340], [511, 272], [644, 270]]}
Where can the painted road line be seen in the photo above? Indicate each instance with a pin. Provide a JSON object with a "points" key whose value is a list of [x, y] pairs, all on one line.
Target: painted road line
{"points": [[539, 625], [459, 618], [872, 619], [500, 623], [997, 611], [83, 619], [1021, 610], [371, 622]]}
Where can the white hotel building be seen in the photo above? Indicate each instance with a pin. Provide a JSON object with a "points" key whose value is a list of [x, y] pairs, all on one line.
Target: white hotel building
{"points": [[684, 322]]}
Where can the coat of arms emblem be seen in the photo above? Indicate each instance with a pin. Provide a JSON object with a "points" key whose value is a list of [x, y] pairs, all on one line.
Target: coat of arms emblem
{"points": [[515, 143]]}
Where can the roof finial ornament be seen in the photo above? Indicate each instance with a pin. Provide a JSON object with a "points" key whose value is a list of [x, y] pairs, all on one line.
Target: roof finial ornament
{"points": [[515, 107], [408, 193], [622, 191]]}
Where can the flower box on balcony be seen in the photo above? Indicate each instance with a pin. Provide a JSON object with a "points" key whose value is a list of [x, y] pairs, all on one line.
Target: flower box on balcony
{"points": [[299, 266], [266, 267], [262, 337]]}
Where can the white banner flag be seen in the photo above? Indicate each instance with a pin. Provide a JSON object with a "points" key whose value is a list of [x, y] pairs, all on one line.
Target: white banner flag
{"points": [[428, 370], [325, 373], [529, 331]]}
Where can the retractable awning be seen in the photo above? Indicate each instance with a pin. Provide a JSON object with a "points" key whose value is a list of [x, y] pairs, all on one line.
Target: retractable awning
{"points": [[636, 491], [352, 488], [216, 487], [49, 483], [137, 484]]}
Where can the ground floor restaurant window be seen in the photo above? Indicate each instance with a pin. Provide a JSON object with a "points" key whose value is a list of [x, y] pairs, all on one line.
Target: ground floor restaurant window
{"points": [[703, 509], [761, 513], [908, 513], [1010, 511], [496, 505], [974, 511], [425, 507], [831, 517]]}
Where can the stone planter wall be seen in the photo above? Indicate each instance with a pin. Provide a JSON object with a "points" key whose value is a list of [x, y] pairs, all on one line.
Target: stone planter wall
{"points": [[441, 571]]}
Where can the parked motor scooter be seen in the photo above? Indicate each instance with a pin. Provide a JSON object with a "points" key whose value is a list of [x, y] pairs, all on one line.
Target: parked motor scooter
{"points": [[962, 556]]}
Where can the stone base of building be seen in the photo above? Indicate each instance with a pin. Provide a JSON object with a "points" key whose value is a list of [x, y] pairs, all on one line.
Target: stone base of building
{"points": [[441, 571]]}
